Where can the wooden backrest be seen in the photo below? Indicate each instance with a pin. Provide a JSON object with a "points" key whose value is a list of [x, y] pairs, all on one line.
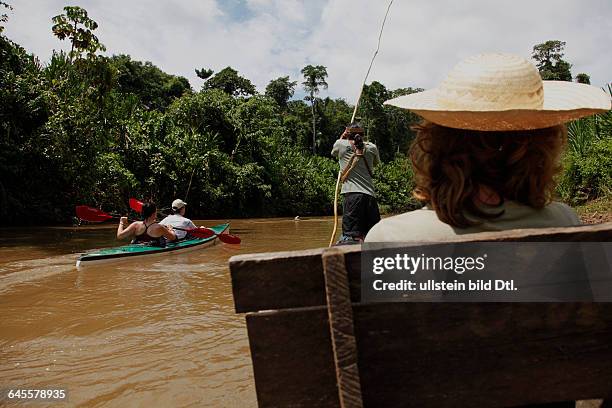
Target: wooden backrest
{"points": [[414, 354]]}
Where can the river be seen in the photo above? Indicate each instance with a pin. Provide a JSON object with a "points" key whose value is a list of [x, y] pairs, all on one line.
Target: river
{"points": [[157, 332]]}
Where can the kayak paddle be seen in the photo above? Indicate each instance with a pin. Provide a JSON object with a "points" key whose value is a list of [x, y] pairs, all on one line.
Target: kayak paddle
{"points": [[95, 215], [92, 214], [136, 205]]}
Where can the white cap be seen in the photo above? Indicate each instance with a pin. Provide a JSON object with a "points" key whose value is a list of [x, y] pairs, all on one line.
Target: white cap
{"points": [[178, 204]]}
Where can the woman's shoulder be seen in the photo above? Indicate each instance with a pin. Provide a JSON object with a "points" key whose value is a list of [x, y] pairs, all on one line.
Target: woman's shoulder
{"points": [[409, 226], [563, 212], [137, 225], [424, 225]]}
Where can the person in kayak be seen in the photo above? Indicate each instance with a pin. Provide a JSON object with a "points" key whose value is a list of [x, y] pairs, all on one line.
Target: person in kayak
{"points": [[178, 220], [147, 231]]}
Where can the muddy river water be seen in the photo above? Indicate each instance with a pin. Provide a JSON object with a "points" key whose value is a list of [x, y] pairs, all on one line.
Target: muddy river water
{"points": [[157, 332]]}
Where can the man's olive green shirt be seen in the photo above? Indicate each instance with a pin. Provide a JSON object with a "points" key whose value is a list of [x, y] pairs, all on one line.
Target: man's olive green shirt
{"points": [[359, 179]]}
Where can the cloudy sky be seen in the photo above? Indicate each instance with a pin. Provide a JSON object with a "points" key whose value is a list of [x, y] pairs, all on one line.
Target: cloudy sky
{"points": [[265, 39]]}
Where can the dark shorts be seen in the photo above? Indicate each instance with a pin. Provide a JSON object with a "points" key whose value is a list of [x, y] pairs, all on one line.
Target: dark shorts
{"points": [[360, 214]]}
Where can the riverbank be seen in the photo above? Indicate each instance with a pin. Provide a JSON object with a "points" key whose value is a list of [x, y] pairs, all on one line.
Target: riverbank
{"points": [[596, 211], [592, 212]]}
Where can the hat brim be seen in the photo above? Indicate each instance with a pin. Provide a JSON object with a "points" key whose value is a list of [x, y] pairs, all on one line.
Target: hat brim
{"points": [[563, 102]]}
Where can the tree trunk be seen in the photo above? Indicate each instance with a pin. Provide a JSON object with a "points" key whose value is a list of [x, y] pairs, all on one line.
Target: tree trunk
{"points": [[73, 39], [314, 129]]}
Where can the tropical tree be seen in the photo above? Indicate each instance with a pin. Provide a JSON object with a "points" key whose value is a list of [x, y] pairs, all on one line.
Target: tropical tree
{"points": [[229, 82], [387, 126], [76, 25], [204, 73], [588, 160], [583, 79], [155, 88], [281, 89], [550, 62], [314, 78], [297, 121], [405, 91], [4, 16], [334, 115]]}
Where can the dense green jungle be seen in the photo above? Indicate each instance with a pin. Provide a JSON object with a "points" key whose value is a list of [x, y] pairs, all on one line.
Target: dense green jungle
{"points": [[88, 128]]}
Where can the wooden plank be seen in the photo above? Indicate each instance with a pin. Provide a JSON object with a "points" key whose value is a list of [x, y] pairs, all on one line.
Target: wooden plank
{"points": [[295, 279], [255, 286], [484, 355], [340, 316], [441, 354], [293, 362]]}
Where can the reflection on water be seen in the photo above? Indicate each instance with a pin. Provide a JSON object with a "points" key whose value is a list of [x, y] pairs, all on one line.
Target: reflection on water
{"points": [[157, 332]]}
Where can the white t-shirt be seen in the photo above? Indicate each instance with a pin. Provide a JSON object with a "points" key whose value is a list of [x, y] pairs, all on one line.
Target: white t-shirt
{"points": [[178, 221]]}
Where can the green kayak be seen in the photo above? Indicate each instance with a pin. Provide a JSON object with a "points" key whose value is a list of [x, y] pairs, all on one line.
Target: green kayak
{"points": [[133, 250]]}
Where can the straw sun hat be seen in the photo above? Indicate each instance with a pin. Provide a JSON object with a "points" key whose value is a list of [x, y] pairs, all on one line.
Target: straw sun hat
{"points": [[497, 92]]}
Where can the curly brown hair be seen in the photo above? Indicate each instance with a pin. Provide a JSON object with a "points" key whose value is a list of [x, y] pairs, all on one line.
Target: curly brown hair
{"points": [[452, 165]]}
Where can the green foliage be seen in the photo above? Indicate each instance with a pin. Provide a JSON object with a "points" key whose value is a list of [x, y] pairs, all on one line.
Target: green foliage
{"points": [[23, 111], [550, 63], [258, 128], [334, 115], [206, 112], [394, 184], [584, 132], [581, 134], [230, 82], [281, 90], [54, 124], [155, 88], [203, 73], [589, 176], [314, 79], [114, 180], [405, 91], [387, 126], [297, 122], [3, 16], [76, 26], [302, 184], [583, 79], [98, 130], [588, 160]]}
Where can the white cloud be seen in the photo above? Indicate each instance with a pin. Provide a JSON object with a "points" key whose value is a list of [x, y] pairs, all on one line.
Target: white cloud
{"points": [[421, 42]]}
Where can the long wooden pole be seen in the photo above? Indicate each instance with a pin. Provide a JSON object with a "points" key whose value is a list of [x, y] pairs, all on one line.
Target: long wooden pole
{"points": [[382, 27]]}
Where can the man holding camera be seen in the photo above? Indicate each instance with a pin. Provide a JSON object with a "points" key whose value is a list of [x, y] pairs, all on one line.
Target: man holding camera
{"points": [[357, 160]]}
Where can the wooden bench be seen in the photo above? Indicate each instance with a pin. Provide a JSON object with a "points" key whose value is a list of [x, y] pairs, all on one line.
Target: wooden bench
{"points": [[314, 344]]}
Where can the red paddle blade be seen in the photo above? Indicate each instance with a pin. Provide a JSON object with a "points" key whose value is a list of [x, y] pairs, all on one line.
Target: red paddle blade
{"points": [[136, 205], [201, 232], [91, 214], [229, 239]]}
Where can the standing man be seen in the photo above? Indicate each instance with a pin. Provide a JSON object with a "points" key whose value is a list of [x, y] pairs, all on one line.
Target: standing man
{"points": [[177, 219], [357, 160]]}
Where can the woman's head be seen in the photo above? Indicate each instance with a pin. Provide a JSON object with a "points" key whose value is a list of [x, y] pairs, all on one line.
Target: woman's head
{"points": [[148, 209], [494, 126], [452, 166]]}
